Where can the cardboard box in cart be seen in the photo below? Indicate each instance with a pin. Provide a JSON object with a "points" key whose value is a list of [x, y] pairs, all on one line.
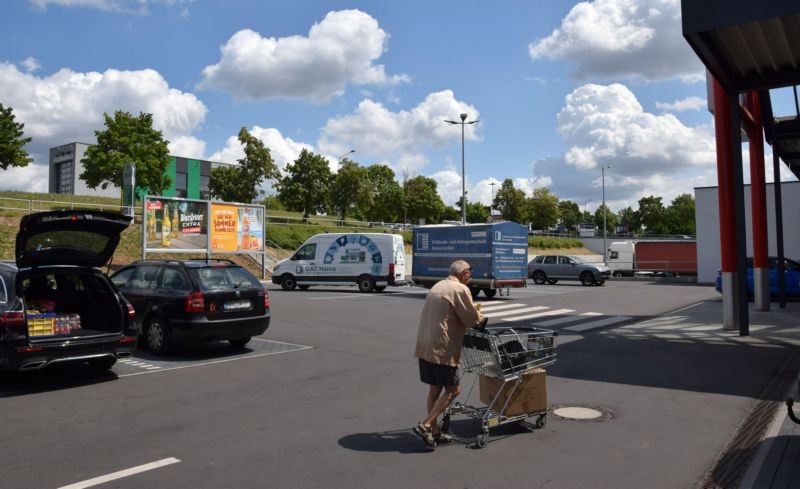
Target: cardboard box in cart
{"points": [[530, 396]]}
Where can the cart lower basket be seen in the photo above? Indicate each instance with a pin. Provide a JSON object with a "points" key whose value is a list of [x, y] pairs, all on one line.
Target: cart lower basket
{"points": [[507, 355]]}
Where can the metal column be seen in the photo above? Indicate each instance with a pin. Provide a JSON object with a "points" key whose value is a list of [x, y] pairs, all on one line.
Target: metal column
{"points": [[758, 201]]}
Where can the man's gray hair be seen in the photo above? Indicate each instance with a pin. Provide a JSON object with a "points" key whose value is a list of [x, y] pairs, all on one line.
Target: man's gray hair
{"points": [[458, 267]]}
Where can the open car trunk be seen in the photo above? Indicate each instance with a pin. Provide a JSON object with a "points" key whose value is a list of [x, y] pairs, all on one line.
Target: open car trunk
{"points": [[72, 304]]}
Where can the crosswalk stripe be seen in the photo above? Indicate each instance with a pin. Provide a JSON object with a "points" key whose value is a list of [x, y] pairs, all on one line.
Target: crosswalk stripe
{"points": [[579, 328], [568, 319], [496, 307], [553, 312], [515, 311]]}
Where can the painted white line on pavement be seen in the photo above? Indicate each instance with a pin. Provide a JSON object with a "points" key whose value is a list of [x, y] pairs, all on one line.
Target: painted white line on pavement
{"points": [[515, 311], [568, 319], [489, 308], [334, 297], [122, 473], [554, 312], [597, 324]]}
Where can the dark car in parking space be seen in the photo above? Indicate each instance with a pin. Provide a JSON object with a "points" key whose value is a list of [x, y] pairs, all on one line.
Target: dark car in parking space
{"points": [[791, 277], [552, 268], [192, 301], [56, 306]]}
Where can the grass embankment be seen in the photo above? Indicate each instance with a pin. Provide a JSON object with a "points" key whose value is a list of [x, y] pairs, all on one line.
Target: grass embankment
{"points": [[281, 232]]}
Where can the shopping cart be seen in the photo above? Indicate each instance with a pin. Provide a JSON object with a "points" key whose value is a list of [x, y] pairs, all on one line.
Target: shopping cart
{"points": [[507, 355]]}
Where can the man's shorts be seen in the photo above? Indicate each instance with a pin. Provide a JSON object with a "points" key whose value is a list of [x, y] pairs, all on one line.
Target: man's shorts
{"points": [[438, 375]]}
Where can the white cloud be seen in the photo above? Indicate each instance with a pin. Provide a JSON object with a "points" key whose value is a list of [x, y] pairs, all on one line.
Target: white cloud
{"points": [[623, 38], [30, 64], [140, 7], [689, 103], [374, 130], [650, 154], [31, 178], [68, 106], [339, 50], [448, 184], [188, 146], [282, 149]]}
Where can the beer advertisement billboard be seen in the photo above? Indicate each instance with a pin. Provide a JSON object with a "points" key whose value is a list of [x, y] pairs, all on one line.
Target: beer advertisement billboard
{"points": [[175, 224]]}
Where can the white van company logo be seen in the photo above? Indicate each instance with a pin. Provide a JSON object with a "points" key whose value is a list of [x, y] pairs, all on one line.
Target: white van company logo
{"points": [[298, 269]]}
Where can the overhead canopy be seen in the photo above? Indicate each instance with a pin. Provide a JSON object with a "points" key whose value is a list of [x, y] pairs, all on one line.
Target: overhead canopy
{"points": [[752, 45]]}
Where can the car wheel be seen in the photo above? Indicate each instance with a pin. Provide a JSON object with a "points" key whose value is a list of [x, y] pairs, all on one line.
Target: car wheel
{"points": [[587, 278], [303, 287], [601, 282], [617, 274], [239, 342], [539, 277], [156, 337], [104, 363], [490, 293], [380, 288], [366, 283], [288, 282], [552, 281]]}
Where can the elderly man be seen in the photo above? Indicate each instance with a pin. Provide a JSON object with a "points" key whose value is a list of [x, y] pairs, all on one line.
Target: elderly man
{"points": [[446, 315]]}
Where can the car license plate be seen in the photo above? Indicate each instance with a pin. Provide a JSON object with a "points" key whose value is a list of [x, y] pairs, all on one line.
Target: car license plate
{"points": [[237, 305]]}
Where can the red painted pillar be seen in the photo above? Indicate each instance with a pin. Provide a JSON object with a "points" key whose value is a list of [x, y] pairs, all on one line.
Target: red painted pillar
{"points": [[727, 218], [758, 201]]}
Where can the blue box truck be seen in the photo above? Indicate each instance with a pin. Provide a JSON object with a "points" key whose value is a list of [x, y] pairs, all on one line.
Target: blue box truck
{"points": [[497, 252]]}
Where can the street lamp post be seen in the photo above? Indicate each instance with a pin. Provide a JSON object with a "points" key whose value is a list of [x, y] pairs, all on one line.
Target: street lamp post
{"points": [[463, 185], [605, 211], [491, 203], [339, 159]]}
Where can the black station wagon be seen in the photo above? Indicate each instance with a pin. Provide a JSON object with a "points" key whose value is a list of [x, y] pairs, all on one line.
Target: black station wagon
{"points": [[191, 301], [56, 306]]}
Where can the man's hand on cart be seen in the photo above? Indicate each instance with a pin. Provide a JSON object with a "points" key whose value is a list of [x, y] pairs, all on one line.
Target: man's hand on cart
{"points": [[482, 324]]}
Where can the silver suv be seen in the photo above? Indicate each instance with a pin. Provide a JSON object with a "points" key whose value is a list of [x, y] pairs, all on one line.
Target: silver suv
{"points": [[552, 268]]}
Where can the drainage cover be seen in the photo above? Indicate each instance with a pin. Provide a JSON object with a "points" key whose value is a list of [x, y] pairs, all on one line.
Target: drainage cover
{"points": [[582, 413]]}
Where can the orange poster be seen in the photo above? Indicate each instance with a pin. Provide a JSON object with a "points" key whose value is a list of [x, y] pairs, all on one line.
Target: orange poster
{"points": [[223, 227]]}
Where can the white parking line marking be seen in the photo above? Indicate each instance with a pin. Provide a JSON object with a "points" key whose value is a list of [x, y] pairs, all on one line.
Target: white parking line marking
{"points": [[568, 319], [301, 348], [334, 297], [515, 311], [579, 328], [554, 312], [122, 473]]}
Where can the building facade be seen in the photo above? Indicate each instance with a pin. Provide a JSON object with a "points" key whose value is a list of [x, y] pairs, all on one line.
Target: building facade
{"points": [[189, 177]]}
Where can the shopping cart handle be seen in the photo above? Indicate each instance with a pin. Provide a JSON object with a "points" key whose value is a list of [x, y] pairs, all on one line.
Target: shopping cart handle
{"points": [[789, 403]]}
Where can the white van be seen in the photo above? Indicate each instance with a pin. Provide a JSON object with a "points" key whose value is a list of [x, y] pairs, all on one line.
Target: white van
{"points": [[370, 260]]}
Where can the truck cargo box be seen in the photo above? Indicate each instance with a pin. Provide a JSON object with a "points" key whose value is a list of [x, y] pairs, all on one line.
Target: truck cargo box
{"points": [[497, 252], [667, 257]]}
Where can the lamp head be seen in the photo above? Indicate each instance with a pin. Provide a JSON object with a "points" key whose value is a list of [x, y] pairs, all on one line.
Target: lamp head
{"points": [[463, 117]]}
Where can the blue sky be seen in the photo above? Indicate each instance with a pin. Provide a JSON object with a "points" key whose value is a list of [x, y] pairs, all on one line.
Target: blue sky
{"points": [[561, 88]]}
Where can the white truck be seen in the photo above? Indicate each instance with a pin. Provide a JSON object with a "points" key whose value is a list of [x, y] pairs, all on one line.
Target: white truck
{"points": [[372, 261]]}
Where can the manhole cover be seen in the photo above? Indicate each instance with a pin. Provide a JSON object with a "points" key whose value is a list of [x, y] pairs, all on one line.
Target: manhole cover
{"points": [[582, 413]]}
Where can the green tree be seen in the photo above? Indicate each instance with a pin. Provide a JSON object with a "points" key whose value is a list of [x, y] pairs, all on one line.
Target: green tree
{"points": [[11, 140], [271, 203], [306, 185], [652, 215], [477, 212], [422, 199], [628, 218], [241, 183], [351, 192], [510, 201], [450, 213], [387, 195], [611, 219], [543, 209], [570, 214], [680, 215], [127, 139]]}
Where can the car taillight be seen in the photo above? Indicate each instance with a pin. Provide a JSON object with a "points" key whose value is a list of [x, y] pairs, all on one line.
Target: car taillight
{"points": [[131, 311], [391, 274], [195, 302], [12, 319], [266, 299]]}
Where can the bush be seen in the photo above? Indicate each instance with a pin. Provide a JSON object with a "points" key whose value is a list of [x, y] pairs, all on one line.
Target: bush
{"points": [[546, 242]]}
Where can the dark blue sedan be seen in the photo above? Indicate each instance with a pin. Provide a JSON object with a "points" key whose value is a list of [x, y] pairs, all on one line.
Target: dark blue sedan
{"points": [[792, 277]]}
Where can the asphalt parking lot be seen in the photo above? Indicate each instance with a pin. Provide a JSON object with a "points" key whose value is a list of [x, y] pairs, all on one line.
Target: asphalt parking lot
{"points": [[327, 397]]}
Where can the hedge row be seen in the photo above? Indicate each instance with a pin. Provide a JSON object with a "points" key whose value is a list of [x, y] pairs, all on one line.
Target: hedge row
{"points": [[547, 242]]}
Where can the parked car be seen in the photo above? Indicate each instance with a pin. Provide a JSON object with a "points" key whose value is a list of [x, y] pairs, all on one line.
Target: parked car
{"points": [[552, 268], [56, 306], [791, 277], [193, 301]]}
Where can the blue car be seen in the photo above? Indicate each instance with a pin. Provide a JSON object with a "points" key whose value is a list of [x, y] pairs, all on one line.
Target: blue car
{"points": [[792, 277]]}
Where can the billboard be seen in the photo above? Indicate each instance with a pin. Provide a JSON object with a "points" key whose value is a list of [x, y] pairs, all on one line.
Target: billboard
{"points": [[183, 225]]}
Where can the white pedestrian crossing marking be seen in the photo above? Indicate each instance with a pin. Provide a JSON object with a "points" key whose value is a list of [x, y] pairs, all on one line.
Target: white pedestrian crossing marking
{"points": [[554, 312], [568, 319], [515, 311], [498, 306], [579, 328]]}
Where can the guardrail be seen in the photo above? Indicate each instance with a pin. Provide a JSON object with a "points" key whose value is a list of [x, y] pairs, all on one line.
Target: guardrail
{"points": [[29, 206]]}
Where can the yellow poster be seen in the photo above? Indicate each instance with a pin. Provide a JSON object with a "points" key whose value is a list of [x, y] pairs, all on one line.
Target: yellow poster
{"points": [[223, 227]]}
